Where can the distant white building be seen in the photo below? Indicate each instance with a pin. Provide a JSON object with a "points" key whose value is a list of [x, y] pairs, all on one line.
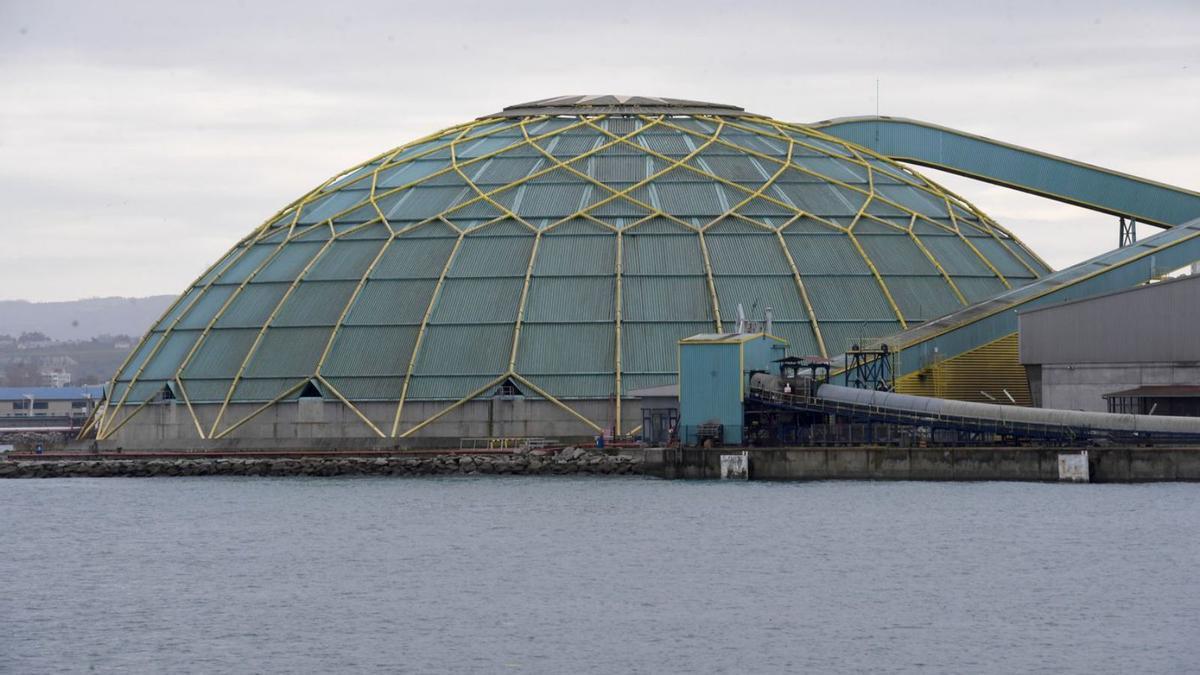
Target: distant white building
{"points": [[56, 377]]}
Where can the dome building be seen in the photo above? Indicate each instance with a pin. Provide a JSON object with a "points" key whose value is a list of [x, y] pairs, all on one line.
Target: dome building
{"points": [[520, 274]]}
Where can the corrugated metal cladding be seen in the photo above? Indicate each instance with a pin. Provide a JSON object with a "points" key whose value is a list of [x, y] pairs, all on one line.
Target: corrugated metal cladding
{"points": [[552, 246], [1153, 323]]}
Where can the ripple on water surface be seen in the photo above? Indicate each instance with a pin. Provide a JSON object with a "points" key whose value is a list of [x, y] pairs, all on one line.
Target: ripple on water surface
{"points": [[596, 575]]}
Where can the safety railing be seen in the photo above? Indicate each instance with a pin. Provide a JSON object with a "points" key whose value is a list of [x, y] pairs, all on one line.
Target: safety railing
{"points": [[936, 422], [506, 443]]}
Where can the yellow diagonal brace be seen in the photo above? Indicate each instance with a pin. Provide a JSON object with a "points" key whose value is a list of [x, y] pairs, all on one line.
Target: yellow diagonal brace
{"points": [[624, 193], [375, 195], [482, 195], [516, 341], [90, 422], [917, 240], [353, 408], [191, 410], [458, 131], [507, 186], [614, 194], [757, 193], [178, 317], [808, 308], [965, 240], [878, 279], [108, 434], [618, 303], [951, 197], [887, 294], [541, 392], [420, 339], [681, 164], [774, 160], [854, 156], [212, 322], [259, 337], [257, 411], [712, 287], [341, 320], [453, 406]]}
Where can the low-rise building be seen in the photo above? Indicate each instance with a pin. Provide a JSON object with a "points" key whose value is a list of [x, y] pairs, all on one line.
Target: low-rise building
{"points": [[49, 401]]}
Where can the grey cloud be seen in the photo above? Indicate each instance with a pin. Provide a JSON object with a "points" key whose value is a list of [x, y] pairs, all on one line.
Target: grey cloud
{"points": [[144, 138]]}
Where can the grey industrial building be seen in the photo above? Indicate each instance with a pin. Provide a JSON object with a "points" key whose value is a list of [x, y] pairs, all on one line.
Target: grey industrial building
{"points": [[1136, 350]]}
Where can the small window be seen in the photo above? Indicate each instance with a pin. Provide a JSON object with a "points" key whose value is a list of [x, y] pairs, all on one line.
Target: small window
{"points": [[508, 388]]}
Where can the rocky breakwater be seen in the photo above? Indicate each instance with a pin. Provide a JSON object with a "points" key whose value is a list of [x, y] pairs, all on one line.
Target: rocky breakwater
{"points": [[570, 461]]}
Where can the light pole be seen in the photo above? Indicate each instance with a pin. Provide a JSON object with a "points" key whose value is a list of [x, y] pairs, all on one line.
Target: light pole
{"points": [[29, 408]]}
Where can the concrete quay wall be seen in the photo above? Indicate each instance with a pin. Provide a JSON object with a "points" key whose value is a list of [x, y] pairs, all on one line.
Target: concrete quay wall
{"points": [[1107, 465]]}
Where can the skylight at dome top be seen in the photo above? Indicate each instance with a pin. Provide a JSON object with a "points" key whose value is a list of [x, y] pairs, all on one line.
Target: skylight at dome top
{"points": [[564, 246]]}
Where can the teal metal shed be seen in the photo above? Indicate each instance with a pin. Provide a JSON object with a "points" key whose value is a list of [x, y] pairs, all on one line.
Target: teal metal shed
{"points": [[713, 371]]}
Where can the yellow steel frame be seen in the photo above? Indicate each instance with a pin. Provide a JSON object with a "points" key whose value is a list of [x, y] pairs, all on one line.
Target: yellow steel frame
{"points": [[104, 432], [412, 361], [899, 172], [618, 303], [259, 337], [453, 138], [808, 308], [712, 287], [91, 420], [353, 408], [190, 408], [541, 392], [917, 240], [516, 340], [966, 240]]}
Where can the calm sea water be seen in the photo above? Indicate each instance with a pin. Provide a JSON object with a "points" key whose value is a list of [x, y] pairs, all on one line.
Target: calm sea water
{"points": [[550, 575]]}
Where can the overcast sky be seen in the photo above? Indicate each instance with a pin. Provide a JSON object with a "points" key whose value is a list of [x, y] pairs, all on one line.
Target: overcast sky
{"points": [[139, 140]]}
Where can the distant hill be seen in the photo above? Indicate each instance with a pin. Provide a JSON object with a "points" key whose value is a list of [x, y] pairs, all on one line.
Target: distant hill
{"points": [[82, 319]]}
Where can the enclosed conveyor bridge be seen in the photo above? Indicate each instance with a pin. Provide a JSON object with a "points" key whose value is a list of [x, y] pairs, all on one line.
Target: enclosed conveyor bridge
{"points": [[1019, 168], [993, 323]]}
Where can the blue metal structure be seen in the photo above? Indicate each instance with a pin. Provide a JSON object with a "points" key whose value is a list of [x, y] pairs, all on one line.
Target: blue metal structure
{"points": [[1013, 166], [1045, 175], [17, 394], [992, 319], [713, 370]]}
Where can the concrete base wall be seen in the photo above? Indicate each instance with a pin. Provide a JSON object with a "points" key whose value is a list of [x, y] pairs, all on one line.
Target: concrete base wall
{"points": [[1107, 465], [292, 423], [1082, 386]]}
